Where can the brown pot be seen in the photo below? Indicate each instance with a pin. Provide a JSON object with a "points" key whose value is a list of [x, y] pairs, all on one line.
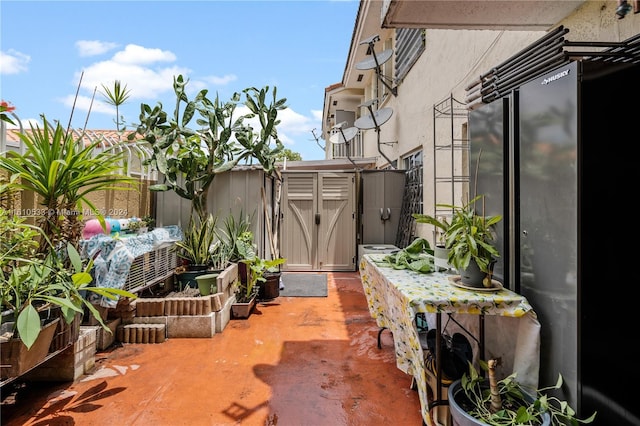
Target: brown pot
{"points": [[270, 289], [242, 310], [16, 359]]}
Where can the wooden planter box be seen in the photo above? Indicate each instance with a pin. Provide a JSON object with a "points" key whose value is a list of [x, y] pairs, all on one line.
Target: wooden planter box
{"points": [[17, 359]]}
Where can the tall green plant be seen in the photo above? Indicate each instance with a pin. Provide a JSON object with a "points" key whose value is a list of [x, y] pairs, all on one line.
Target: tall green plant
{"points": [[237, 235], [204, 137], [190, 158], [266, 148], [63, 172], [199, 238]]}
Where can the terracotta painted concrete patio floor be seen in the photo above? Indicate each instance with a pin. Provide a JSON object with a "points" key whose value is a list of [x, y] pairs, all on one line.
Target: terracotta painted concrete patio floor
{"points": [[295, 361]]}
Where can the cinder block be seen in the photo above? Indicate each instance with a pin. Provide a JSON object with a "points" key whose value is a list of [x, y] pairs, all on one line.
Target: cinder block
{"points": [[71, 363], [223, 316], [104, 338], [225, 282], [191, 325]]}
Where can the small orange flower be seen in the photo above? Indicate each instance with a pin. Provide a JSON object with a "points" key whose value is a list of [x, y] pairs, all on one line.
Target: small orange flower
{"points": [[6, 106]]}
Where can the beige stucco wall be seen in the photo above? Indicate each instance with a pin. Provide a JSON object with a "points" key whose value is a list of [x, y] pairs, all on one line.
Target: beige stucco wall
{"points": [[452, 60]]}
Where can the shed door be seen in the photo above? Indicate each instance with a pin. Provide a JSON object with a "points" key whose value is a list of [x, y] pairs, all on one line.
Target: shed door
{"points": [[318, 222]]}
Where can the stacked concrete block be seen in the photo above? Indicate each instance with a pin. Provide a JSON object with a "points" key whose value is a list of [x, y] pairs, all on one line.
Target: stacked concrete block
{"points": [[107, 337], [125, 309], [187, 306], [141, 333], [179, 316], [71, 363], [225, 296]]}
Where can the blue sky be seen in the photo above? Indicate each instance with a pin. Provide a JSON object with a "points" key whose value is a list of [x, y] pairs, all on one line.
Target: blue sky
{"points": [[300, 47]]}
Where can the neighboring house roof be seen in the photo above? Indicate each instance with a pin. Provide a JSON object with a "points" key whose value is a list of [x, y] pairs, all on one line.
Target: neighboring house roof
{"points": [[91, 135]]}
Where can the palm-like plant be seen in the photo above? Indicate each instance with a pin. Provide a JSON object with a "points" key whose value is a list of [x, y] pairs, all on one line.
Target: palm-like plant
{"points": [[63, 172], [116, 97]]}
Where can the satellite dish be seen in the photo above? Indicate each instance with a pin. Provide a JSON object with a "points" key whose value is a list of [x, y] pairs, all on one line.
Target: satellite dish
{"points": [[340, 125], [371, 39], [378, 118], [369, 103], [375, 61], [344, 135]]}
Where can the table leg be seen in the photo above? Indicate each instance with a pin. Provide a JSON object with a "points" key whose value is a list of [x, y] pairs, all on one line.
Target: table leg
{"points": [[379, 333]]}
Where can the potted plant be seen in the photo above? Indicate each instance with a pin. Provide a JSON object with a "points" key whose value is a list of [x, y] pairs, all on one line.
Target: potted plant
{"points": [[195, 249], [440, 251], [474, 400], [247, 292], [468, 237], [36, 292], [236, 234], [137, 226]]}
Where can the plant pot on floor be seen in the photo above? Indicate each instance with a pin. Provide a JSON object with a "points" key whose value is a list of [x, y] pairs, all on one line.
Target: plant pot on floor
{"points": [[270, 288], [242, 310], [459, 407]]}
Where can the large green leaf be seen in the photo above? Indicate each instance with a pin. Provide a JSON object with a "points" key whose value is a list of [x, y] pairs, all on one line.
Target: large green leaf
{"points": [[28, 325]]}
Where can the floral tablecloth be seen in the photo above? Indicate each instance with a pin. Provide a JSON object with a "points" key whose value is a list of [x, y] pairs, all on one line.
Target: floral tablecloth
{"points": [[396, 296], [113, 256]]}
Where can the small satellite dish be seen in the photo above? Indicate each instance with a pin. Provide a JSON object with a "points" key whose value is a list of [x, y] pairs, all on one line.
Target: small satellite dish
{"points": [[369, 103], [378, 118], [375, 61], [371, 39], [344, 135], [340, 125]]}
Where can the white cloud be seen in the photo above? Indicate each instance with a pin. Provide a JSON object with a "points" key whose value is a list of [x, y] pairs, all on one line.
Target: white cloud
{"points": [[133, 67], [143, 83], [83, 103], [293, 126], [221, 81], [134, 54], [94, 47], [13, 62]]}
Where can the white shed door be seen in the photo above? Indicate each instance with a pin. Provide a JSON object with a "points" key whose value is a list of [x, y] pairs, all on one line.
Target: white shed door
{"points": [[318, 222]]}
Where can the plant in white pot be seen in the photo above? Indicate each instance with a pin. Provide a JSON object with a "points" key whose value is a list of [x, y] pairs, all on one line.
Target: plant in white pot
{"points": [[440, 251], [475, 400]]}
